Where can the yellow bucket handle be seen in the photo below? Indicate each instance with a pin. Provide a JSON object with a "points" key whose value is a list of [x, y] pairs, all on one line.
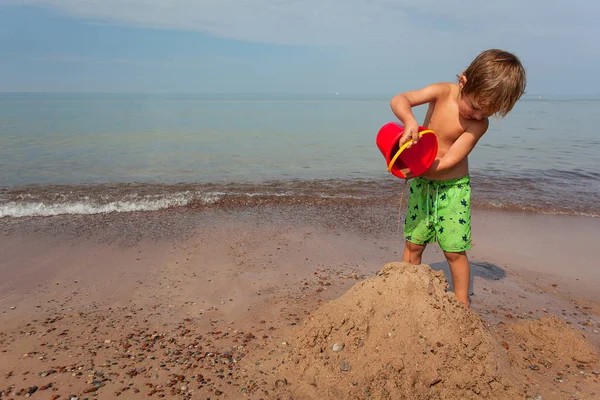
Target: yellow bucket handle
{"points": [[404, 146]]}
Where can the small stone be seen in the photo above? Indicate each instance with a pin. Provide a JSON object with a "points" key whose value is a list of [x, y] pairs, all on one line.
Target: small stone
{"points": [[435, 381], [13, 307], [337, 347], [90, 389], [345, 366], [281, 383]]}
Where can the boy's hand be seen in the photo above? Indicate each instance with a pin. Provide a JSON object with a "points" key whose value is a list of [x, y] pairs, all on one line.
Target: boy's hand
{"points": [[411, 131]]}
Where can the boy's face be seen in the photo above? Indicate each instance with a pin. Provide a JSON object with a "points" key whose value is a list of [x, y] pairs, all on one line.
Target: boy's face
{"points": [[469, 108], [468, 105]]}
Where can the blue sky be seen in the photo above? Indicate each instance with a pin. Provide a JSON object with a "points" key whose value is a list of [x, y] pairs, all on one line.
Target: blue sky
{"points": [[289, 46]]}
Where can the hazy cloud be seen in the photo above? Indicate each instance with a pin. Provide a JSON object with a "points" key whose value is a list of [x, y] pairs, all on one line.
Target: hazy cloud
{"points": [[342, 22], [365, 45]]}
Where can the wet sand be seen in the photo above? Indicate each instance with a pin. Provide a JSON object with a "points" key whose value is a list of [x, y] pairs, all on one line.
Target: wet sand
{"points": [[206, 303]]}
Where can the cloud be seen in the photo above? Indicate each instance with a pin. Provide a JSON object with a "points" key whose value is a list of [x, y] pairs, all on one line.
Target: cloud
{"points": [[363, 44], [412, 23]]}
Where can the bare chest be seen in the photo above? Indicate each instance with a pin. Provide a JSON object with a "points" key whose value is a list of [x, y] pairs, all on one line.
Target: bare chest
{"points": [[444, 119]]}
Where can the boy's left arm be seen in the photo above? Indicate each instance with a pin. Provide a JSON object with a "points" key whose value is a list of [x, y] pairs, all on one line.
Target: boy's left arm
{"points": [[460, 149]]}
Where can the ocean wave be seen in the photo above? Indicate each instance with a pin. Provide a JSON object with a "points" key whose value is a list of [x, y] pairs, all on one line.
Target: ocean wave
{"points": [[510, 194], [535, 209], [44, 209]]}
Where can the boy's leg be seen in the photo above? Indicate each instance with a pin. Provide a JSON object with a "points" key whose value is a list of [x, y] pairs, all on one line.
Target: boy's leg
{"points": [[413, 252], [417, 229], [453, 227], [461, 274]]}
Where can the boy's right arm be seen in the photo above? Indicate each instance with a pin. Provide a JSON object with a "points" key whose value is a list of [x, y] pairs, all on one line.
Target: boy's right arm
{"points": [[402, 105]]}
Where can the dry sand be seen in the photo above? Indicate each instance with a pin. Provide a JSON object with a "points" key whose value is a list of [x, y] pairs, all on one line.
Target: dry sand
{"points": [[249, 303], [401, 335]]}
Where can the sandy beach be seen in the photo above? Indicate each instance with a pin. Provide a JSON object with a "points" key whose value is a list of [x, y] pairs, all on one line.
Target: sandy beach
{"points": [[248, 302], [201, 200]]}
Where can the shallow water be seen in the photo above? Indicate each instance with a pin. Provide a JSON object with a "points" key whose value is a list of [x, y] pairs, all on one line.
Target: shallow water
{"points": [[102, 153]]}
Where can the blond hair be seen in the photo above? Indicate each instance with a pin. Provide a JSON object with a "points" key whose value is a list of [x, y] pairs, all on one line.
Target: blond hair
{"points": [[496, 80]]}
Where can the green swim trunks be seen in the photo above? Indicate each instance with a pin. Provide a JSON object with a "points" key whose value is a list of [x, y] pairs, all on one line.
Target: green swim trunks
{"points": [[440, 211]]}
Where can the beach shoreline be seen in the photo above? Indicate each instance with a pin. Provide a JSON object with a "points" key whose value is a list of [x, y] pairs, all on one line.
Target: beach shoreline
{"points": [[111, 283]]}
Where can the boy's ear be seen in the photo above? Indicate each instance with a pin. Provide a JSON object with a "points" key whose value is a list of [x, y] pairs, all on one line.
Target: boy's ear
{"points": [[462, 80]]}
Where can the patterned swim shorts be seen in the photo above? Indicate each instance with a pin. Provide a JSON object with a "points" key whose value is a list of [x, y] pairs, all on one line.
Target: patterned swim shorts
{"points": [[440, 211]]}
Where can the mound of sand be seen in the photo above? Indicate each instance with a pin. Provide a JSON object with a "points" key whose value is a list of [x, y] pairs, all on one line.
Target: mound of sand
{"points": [[401, 335], [548, 342]]}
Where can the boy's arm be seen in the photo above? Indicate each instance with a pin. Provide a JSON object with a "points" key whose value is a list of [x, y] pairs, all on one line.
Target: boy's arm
{"points": [[402, 105], [460, 149]]}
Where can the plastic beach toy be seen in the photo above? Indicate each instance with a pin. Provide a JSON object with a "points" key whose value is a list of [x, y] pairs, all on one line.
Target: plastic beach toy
{"points": [[401, 160]]}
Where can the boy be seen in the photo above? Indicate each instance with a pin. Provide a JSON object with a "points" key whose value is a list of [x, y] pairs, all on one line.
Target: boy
{"points": [[440, 200]]}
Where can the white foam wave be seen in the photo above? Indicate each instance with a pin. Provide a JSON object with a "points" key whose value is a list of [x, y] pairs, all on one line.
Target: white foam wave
{"points": [[211, 198], [151, 203]]}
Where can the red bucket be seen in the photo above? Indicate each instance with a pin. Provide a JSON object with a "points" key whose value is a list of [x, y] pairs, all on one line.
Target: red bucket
{"points": [[401, 160]]}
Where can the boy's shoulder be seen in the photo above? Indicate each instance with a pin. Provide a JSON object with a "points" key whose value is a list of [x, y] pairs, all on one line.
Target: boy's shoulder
{"points": [[444, 90]]}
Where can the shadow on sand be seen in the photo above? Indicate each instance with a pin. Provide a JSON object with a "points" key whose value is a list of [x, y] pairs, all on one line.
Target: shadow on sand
{"points": [[485, 270]]}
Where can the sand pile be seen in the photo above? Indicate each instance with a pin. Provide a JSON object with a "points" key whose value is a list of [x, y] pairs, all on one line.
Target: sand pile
{"points": [[548, 342], [400, 335]]}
